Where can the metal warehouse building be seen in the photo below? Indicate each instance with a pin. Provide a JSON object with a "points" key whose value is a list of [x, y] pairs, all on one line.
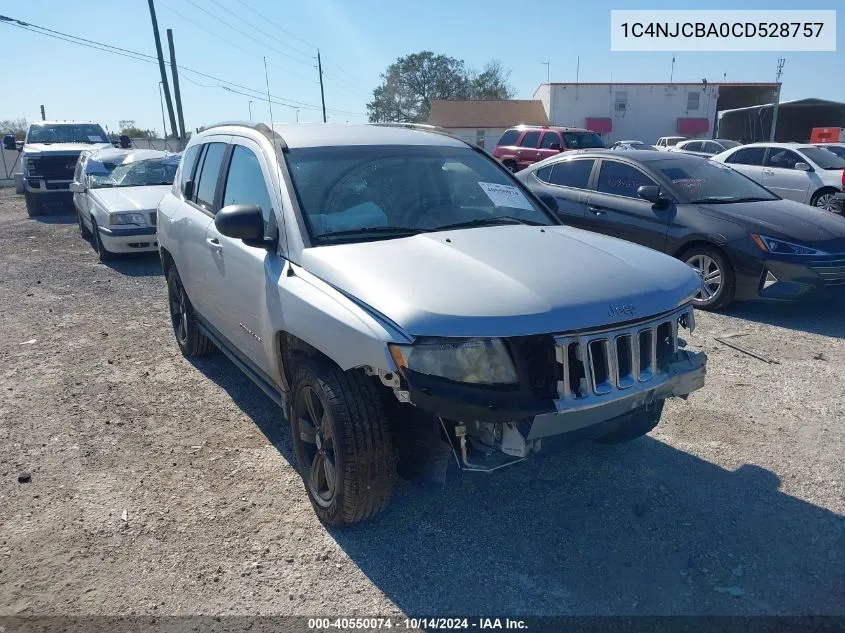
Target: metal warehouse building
{"points": [[647, 111]]}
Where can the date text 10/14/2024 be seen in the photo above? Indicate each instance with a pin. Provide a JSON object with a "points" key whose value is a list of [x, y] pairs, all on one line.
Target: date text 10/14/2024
{"points": [[351, 624]]}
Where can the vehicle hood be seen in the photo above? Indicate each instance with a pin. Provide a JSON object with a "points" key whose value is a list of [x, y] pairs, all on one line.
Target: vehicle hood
{"points": [[504, 280], [786, 219], [62, 148], [130, 198]]}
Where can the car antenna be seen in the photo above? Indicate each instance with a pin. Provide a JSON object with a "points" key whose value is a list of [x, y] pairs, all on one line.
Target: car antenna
{"points": [[278, 166]]}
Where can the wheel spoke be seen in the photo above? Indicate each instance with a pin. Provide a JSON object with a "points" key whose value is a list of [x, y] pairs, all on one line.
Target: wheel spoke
{"points": [[325, 425], [708, 293], [312, 404], [318, 472], [307, 432], [331, 472], [714, 277]]}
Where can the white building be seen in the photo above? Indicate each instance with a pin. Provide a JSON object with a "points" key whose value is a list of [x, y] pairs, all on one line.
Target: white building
{"points": [[645, 112], [482, 123]]}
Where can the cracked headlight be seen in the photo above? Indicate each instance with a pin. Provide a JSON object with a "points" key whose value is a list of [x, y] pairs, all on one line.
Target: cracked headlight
{"points": [[476, 361], [782, 247], [127, 218]]}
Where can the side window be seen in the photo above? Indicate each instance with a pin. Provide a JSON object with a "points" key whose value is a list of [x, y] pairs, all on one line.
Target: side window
{"points": [[545, 173], [782, 158], [692, 146], [713, 148], [530, 139], [572, 173], [620, 179], [209, 172], [548, 139], [245, 183], [188, 162], [509, 138], [747, 156]]}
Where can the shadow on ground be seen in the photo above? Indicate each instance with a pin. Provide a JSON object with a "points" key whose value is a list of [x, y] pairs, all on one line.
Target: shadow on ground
{"points": [[56, 216], [641, 528], [819, 317], [137, 264]]}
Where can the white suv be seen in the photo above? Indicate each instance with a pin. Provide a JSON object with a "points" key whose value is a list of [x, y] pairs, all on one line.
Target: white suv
{"points": [[401, 295]]}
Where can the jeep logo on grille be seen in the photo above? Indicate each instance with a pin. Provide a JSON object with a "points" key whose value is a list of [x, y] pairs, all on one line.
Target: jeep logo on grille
{"points": [[626, 309]]}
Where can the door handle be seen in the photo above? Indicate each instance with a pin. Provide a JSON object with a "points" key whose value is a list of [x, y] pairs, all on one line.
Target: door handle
{"points": [[214, 244], [596, 210], [769, 172]]}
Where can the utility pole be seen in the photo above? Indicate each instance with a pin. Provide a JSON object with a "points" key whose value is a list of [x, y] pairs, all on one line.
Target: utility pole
{"points": [[781, 62], [249, 105], [175, 72], [43, 116], [162, 71], [672, 71], [161, 103], [322, 94]]}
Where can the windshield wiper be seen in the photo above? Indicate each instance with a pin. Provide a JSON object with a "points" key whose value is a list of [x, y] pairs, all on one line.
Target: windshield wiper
{"points": [[717, 200], [394, 230], [500, 219]]}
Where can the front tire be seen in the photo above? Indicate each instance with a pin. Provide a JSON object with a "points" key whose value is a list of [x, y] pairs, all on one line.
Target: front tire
{"points": [[717, 277], [34, 205], [342, 440], [826, 201], [192, 342], [83, 230], [103, 253]]}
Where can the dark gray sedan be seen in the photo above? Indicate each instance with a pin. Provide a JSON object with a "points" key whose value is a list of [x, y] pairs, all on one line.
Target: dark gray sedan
{"points": [[745, 241]]}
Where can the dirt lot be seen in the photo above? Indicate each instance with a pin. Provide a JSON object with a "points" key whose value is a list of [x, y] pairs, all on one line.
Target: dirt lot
{"points": [[159, 486]]}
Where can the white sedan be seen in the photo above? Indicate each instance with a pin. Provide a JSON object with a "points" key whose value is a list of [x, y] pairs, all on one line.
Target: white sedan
{"points": [[795, 171], [116, 193]]}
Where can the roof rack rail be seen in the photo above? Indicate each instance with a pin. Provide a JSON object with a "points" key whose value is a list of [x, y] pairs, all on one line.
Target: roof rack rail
{"points": [[266, 130]]}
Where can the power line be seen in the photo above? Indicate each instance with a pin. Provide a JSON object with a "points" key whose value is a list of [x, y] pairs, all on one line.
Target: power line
{"points": [[308, 57], [116, 50], [231, 43], [245, 34]]}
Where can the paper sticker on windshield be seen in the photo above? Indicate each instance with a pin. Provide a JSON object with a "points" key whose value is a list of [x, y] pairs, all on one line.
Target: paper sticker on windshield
{"points": [[505, 196], [96, 139]]}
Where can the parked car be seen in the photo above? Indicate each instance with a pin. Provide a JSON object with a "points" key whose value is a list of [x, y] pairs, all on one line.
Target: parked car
{"points": [[48, 159], [525, 145], [386, 285], [745, 241], [705, 147], [665, 142], [626, 145], [804, 173], [116, 193]]}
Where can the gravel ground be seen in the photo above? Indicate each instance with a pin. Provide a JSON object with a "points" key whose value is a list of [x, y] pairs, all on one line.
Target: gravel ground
{"points": [[161, 486]]}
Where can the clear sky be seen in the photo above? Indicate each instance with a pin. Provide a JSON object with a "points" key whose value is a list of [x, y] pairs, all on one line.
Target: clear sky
{"points": [[358, 40]]}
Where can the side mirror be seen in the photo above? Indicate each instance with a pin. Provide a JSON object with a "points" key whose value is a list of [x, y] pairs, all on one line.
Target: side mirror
{"points": [[188, 189], [549, 200], [651, 193], [9, 142], [125, 141], [555, 147], [77, 187], [800, 166], [241, 221]]}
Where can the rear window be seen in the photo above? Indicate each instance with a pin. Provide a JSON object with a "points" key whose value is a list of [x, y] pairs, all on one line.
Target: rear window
{"points": [[572, 173], [509, 137], [209, 174], [582, 140], [747, 156], [824, 158]]}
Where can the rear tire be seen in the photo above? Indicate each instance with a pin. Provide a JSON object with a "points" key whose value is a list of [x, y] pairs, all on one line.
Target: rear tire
{"points": [[192, 342], [34, 206], [343, 444], [717, 275], [510, 166], [634, 424]]}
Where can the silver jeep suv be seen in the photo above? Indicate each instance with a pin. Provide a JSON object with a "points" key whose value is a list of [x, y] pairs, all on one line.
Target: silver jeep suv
{"points": [[409, 304]]}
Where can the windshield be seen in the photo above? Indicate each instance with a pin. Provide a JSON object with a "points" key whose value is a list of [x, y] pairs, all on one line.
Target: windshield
{"points": [[67, 133], [582, 140], [361, 193], [155, 171], [824, 158], [707, 181], [839, 150]]}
